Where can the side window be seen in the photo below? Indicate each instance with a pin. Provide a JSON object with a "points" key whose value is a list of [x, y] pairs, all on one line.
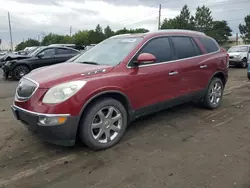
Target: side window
{"points": [[209, 44], [196, 47], [184, 47], [62, 51], [48, 52], [160, 48], [71, 51]]}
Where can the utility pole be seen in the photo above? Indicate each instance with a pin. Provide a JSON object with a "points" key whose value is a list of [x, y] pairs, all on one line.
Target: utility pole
{"points": [[159, 18], [11, 42], [70, 31]]}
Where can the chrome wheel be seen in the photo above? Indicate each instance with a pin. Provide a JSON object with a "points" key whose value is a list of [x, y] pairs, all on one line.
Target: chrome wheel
{"points": [[215, 93], [106, 124]]}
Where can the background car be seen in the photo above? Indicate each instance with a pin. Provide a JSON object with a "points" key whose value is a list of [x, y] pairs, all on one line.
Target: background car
{"points": [[238, 55], [43, 56]]}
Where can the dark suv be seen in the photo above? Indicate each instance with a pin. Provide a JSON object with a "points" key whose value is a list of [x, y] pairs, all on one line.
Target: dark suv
{"points": [[120, 79]]}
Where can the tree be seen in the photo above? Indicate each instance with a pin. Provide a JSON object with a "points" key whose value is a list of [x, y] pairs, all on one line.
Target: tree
{"points": [[221, 31], [245, 29], [108, 32], [27, 43], [139, 30], [122, 31], [56, 39], [203, 19], [182, 21], [99, 35], [81, 37]]}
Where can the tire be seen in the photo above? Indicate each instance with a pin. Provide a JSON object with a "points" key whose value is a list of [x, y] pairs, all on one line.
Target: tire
{"points": [[244, 63], [207, 100], [19, 71], [95, 136], [248, 76]]}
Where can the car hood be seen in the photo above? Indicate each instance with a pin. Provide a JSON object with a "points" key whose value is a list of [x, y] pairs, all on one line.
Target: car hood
{"points": [[50, 76], [14, 56], [235, 53]]}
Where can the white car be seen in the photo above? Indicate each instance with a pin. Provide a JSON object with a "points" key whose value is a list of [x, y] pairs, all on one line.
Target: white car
{"points": [[238, 55]]}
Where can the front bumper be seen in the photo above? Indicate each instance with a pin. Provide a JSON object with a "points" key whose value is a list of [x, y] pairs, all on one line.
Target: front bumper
{"points": [[62, 134], [235, 62], [6, 70]]}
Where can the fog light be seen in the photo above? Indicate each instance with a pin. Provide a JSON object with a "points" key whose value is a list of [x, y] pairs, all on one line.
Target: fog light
{"points": [[56, 120]]}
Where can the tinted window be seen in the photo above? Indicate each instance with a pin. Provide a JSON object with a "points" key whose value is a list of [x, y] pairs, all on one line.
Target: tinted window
{"points": [[160, 48], [196, 47], [48, 52], [209, 44], [65, 51], [184, 47]]}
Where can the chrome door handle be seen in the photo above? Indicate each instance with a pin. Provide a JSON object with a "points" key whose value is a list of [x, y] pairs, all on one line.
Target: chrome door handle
{"points": [[203, 66], [172, 73]]}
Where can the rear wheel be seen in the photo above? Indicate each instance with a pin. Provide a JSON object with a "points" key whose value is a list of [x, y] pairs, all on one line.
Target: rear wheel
{"points": [[214, 93], [19, 71], [103, 124]]}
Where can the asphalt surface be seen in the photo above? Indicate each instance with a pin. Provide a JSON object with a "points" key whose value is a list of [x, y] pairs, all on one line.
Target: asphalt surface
{"points": [[185, 146]]}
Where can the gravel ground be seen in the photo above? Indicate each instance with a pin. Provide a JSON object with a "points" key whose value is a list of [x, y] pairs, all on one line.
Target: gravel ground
{"points": [[185, 146]]}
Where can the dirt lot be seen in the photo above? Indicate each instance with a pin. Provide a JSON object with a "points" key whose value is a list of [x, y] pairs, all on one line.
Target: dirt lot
{"points": [[182, 147]]}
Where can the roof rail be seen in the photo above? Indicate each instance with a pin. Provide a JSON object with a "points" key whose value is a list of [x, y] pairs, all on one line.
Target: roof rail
{"points": [[178, 30]]}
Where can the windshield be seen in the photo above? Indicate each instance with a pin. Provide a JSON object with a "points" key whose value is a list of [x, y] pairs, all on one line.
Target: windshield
{"points": [[109, 52], [238, 49], [33, 53]]}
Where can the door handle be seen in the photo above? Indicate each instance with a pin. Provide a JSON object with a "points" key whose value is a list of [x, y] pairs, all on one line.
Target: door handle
{"points": [[172, 73], [203, 66]]}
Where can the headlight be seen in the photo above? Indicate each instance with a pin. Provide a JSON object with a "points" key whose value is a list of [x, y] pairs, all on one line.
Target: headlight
{"points": [[62, 92]]}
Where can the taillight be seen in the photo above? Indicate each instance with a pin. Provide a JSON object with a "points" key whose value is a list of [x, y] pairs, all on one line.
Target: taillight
{"points": [[227, 58]]}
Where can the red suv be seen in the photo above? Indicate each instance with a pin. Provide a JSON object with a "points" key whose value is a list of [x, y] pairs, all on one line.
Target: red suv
{"points": [[122, 78]]}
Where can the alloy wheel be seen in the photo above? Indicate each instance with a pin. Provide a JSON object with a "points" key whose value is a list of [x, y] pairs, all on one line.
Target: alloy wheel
{"points": [[215, 93], [107, 124]]}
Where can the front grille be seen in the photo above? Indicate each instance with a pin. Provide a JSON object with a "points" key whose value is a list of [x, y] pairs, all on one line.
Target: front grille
{"points": [[231, 57], [25, 89]]}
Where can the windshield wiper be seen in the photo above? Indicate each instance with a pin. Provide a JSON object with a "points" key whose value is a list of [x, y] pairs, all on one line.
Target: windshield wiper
{"points": [[89, 62]]}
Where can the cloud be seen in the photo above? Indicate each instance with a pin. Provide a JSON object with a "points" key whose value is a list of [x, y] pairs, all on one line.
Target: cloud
{"points": [[31, 18]]}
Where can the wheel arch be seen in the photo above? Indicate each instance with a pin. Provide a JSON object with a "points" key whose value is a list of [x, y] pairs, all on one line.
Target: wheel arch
{"points": [[20, 64], [219, 74], [118, 95]]}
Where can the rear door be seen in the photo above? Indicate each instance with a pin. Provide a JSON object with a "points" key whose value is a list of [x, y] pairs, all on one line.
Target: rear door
{"points": [[156, 82], [210, 62], [186, 57], [64, 54]]}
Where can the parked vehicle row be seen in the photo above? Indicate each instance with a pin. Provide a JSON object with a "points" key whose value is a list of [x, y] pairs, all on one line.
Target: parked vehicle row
{"points": [[97, 94]]}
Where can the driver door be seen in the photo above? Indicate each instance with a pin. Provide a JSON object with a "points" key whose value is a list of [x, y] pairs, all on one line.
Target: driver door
{"points": [[44, 58]]}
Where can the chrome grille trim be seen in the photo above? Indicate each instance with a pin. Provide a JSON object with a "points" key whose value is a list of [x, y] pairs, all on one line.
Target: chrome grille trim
{"points": [[24, 99]]}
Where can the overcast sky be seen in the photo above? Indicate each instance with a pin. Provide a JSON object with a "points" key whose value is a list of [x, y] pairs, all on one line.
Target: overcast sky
{"points": [[33, 18]]}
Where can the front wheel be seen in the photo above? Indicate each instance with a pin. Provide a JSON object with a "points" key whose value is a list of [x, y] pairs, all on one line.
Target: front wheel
{"points": [[103, 124], [244, 63], [19, 71], [214, 93]]}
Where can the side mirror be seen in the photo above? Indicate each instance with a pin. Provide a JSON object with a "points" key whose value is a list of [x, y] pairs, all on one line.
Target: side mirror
{"points": [[146, 58], [40, 56]]}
